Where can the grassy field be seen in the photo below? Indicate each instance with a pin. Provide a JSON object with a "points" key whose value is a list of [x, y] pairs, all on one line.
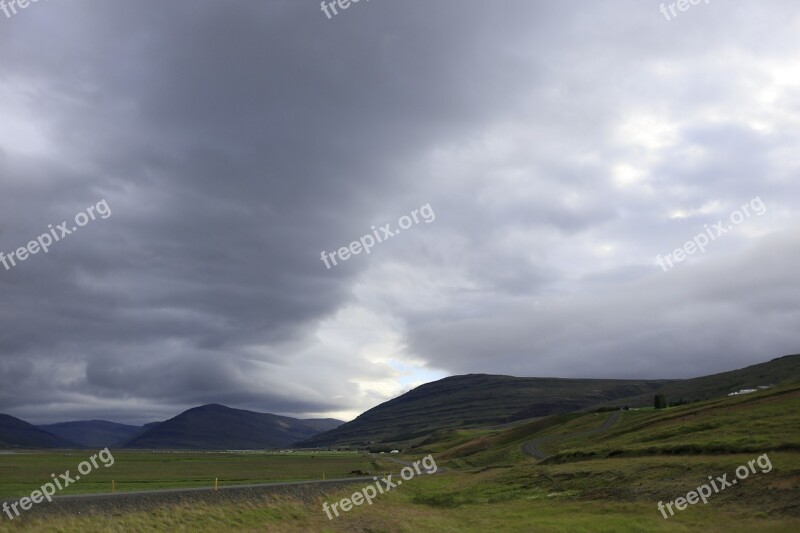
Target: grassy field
{"points": [[442, 503], [135, 470]]}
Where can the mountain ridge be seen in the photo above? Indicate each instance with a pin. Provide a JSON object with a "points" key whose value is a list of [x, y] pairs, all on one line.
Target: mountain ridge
{"points": [[452, 402], [93, 433], [215, 426], [468, 400], [17, 433]]}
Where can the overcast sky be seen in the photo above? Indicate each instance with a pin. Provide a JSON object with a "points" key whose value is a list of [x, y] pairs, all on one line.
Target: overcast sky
{"points": [[562, 146]]}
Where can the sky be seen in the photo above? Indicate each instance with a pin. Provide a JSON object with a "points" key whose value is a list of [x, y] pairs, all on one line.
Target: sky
{"points": [[550, 158]]}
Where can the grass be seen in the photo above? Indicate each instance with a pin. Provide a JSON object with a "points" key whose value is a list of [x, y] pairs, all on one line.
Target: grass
{"points": [[135, 470], [416, 506], [757, 422], [753, 423]]}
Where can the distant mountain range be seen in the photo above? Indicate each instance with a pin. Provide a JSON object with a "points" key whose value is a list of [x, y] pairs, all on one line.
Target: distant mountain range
{"points": [[16, 433], [453, 402], [209, 427], [214, 427], [95, 433]]}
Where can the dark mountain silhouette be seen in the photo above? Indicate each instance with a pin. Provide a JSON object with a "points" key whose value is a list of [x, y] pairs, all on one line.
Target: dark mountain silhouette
{"points": [[215, 427], [16, 433], [94, 433], [323, 424]]}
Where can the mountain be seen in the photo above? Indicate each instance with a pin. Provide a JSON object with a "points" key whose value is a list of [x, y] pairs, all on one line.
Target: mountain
{"points": [[782, 370], [480, 399], [216, 427], [323, 424], [16, 433], [477, 399], [93, 433], [144, 429]]}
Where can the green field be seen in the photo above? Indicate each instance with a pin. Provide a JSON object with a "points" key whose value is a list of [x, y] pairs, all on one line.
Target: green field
{"points": [[491, 500], [136, 470]]}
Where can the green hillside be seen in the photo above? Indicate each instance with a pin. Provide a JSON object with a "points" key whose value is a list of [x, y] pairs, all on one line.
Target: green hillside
{"points": [[484, 400], [647, 456], [475, 399], [783, 370], [759, 422]]}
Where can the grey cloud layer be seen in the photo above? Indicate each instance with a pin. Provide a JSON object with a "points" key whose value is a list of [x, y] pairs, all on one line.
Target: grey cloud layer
{"points": [[236, 140]]}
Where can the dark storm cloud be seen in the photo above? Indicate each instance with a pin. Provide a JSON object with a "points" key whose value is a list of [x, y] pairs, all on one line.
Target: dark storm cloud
{"points": [[234, 141]]}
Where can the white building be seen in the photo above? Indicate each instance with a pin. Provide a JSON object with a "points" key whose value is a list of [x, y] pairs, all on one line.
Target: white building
{"points": [[743, 391]]}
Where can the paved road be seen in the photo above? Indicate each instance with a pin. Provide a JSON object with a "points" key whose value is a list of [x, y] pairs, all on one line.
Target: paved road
{"points": [[532, 447]]}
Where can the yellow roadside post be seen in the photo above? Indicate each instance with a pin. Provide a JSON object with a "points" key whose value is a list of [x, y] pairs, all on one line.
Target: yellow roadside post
{"points": [[113, 486], [216, 484]]}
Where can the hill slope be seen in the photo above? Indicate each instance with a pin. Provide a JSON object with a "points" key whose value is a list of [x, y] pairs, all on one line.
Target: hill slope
{"points": [[643, 456], [782, 370], [752, 423], [323, 424], [93, 433], [476, 399], [16, 433], [215, 427], [463, 401]]}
